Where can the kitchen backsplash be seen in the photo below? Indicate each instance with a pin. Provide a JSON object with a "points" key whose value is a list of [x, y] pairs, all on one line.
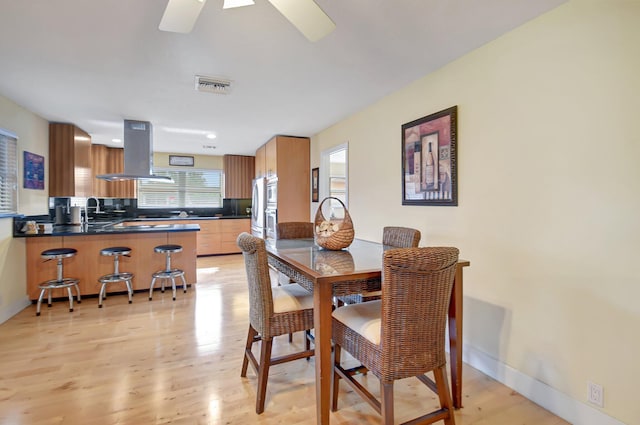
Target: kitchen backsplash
{"points": [[128, 207]]}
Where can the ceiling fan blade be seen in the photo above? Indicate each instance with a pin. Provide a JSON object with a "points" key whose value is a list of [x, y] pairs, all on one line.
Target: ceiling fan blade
{"points": [[306, 16], [229, 4], [181, 15]]}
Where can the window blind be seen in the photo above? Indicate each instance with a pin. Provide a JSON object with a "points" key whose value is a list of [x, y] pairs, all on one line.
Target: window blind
{"points": [[193, 188], [8, 172]]}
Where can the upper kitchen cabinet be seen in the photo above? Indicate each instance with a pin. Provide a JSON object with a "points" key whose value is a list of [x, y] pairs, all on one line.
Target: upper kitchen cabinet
{"points": [[106, 160], [69, 161], [99, 154], [121, 188], [238, 174], [261, 167], [271, 157], [287, 158]]}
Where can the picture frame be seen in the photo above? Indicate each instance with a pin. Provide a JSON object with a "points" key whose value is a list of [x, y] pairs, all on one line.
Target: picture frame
{"points": [[315, 184], [181, 161], [33, 165], [429, 159]]}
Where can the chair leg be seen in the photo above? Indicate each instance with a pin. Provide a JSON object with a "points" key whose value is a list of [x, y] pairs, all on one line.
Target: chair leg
{"points": [[101, 295], [153, 281], [78, 293], [386, 393], [173, 287], [184, 284], [336, 378], [440, 375], [40, 302], [263, 373], [70, 298], [50, 303], [129, 289], [245, 360]]}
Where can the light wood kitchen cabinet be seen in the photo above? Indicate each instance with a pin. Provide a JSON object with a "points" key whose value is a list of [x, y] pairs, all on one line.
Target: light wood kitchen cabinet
{"points": [[119, 189], [216, 236], [106, 160], [229, 231], [219, 236], [238, 174], [69, 161], [261, 167], [99, 154], [271, 157], [287, 158]]}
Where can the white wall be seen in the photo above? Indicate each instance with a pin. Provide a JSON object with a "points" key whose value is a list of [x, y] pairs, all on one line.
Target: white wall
{"points": [[33, 136], [548, 197]]}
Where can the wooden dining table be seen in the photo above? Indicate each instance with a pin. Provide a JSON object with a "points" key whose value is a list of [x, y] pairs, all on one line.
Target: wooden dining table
{"points": [[321, 271]]}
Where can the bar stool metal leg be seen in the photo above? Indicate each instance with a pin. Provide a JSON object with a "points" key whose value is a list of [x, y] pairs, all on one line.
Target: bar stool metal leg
{"points": [[117, 275], [168, 272], [60, 282]]}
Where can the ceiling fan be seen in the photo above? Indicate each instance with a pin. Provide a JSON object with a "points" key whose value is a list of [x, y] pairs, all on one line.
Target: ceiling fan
{"points": [[305, 15]]}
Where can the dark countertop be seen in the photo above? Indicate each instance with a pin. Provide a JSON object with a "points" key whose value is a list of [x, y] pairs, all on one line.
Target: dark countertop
{"points": [[115, 226], [190, 217], [106, 229]]}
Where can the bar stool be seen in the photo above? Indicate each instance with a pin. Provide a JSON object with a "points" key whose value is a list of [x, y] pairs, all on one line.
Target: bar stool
{"points": [[168, 272], [60, 282], [117, 275]]}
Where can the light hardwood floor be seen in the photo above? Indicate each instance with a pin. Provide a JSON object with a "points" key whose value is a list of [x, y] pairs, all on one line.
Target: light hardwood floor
{"points": [[179, 362]]}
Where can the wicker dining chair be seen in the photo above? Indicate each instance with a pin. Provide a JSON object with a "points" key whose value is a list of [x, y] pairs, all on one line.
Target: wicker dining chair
{"points": [[401, 335], [293, 230], [273, 311], [394, 236]]}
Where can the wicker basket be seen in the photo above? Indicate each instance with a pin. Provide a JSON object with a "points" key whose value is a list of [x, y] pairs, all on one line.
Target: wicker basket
{"points": [[339, 239]]}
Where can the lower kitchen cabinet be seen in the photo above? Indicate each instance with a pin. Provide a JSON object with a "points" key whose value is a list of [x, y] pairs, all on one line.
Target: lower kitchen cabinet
{"points": [[215, 236], [219, 236]]}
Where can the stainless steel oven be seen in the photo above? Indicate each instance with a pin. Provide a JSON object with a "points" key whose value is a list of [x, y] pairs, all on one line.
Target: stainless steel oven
{"points": [[271, 223], [272, 193]]}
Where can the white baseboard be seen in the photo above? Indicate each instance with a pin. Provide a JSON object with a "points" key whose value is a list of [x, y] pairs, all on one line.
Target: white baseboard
{"points": [[569, 409], [14, 308]]}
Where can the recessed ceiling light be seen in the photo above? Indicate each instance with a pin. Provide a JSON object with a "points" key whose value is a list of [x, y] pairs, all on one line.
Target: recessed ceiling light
{"points": [[116, 140], [211, 136]]}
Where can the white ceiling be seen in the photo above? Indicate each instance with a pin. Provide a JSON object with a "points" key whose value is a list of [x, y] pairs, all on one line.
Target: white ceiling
{"points": [[96, 62]]}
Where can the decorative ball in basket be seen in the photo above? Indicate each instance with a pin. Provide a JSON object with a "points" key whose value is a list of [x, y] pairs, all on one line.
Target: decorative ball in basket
{"points": [[333, 234]]}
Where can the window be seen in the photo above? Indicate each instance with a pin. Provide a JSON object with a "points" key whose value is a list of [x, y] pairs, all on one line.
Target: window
{"points": [[334, 162], [8, 173], [190, 189]]}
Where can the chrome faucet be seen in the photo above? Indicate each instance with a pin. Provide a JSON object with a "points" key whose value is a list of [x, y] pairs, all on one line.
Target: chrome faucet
{"points": [[86, 206]]}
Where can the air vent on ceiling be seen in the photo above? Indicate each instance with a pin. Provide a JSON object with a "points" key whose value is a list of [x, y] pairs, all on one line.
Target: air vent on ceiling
{"points": [[213, 84]]}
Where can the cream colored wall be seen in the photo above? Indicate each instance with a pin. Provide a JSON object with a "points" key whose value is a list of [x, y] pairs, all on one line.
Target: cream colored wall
{"points": [[33, 136], [549, 194]]}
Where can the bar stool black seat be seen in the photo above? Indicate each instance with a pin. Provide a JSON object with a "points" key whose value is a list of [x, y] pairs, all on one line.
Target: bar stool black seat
{"points": [[59, 282], [168, 272], [117, 276]]}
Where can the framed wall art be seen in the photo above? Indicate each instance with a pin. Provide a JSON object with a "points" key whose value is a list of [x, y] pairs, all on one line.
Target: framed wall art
{"points": [[33, 165], [181, 161], [315, 183], [429, 160]]}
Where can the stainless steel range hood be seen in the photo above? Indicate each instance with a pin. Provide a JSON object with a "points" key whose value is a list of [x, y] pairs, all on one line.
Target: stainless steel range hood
{"points": [[138, 154]]}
